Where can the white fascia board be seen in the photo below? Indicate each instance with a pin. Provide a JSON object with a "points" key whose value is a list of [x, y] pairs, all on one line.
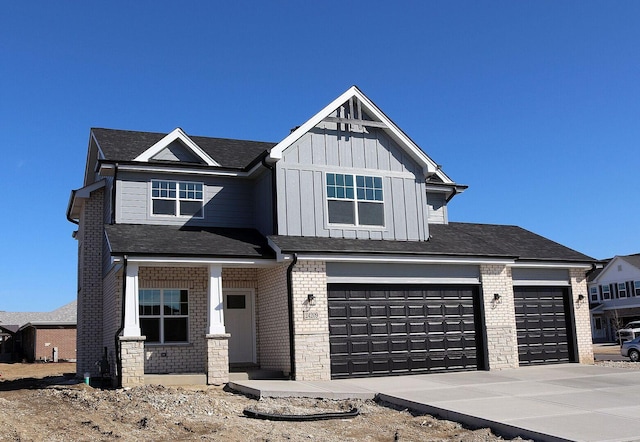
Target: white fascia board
{"points": [[79, 195], [540, 283], [403, 259], [153, 261], [176, 134], [550, 265], [279, 256], [428, 165], [187, 171], [605, 269], [398, 280]]}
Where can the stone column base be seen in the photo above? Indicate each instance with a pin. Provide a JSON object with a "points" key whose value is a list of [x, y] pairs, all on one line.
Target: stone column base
{"points": [[132, 360], [218, 359]]}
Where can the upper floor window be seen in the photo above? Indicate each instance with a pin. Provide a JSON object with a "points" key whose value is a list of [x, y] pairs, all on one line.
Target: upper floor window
{"points": [[176, 198], [355, 199], [622, 290], [164, 315], [606, 292], [636, 286], [594, 294]]}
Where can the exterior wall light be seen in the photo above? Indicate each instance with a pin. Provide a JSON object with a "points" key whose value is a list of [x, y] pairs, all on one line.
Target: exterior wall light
{"points": [[580, 297], [311, 298], [496, 297]]}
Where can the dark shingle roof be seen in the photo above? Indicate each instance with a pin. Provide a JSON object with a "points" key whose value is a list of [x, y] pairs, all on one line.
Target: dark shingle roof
{"points": [[138, 239], [454, 239], [126, 145]]}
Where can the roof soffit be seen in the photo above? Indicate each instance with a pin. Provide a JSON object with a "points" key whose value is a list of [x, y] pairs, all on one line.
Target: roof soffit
{"points": [[176, 135], [429, 166]]}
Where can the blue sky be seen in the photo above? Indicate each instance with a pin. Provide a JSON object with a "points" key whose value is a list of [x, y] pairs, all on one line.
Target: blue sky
{"points": [[533, 104]]}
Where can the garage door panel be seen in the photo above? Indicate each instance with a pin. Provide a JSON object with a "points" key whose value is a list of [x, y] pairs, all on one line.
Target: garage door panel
{"points": [[408, 329], [541, 325]]}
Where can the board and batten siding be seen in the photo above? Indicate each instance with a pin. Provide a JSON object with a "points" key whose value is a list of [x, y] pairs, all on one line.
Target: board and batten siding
{"points": [[302, 191], [228, 202]]}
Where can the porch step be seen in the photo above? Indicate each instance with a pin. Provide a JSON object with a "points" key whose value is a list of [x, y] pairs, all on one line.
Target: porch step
{"points": [[174, 379], [257, 373]]}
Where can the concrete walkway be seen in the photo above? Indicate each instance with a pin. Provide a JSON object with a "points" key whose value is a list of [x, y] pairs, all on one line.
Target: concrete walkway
{"points": [[552, 403]]}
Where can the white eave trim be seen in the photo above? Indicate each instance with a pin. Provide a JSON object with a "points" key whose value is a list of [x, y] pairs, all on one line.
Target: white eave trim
{"points": [[156, 261], [187, 171], [176, 134], [79, 195], [550, 265], [415, 259], [428, 165]]}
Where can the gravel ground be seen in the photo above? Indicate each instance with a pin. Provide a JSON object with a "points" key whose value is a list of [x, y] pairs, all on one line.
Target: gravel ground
{"points": [[51, 407]]}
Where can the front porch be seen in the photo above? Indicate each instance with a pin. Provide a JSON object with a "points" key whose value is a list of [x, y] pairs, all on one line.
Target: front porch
{"points": [[186, 323]]}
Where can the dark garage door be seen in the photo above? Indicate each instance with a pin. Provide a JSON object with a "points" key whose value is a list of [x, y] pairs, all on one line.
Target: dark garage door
{"points": [[377, 330], [543, 326]]}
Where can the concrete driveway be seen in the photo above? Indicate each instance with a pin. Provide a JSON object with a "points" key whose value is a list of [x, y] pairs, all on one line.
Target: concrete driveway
{"points": [[565, 402]]}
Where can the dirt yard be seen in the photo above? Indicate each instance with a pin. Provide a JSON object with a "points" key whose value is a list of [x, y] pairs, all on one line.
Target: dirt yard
{"points": [[45, 402]]}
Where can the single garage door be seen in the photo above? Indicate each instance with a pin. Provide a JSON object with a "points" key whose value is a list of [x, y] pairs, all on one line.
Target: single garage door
{"points": [[543, 325], [377, 330]]}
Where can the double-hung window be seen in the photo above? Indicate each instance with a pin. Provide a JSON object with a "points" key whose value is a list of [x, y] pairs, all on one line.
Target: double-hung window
{"points": [[606, 291], [176, 198], [355, 199], [622, 290], [594, 293], [636, 286], [164, 315]]}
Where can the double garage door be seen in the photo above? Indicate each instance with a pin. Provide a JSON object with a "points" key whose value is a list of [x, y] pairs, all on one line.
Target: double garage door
{"points": [[377, 330]]}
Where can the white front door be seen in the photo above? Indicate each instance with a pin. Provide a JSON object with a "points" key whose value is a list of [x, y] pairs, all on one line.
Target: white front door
{"points": [[239, 322]]}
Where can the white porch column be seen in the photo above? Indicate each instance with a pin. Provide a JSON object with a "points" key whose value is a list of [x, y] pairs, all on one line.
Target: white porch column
{"points": [[216, 313], [131, 314]]}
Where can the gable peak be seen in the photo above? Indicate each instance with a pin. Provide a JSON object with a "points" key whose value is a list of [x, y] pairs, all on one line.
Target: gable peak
{"points": [[176, 146]]}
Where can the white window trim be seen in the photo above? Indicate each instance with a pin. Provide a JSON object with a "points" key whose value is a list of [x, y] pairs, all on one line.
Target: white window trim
{"points": [[636, 288], [593, 290], [177, 200], [162, 316], [355, 200], [620, 295], [606, 292]]}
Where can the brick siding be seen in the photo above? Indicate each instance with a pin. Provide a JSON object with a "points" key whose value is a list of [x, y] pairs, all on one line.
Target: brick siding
{"points": [[90, 298], [312, 355], [272, 318], [500, 320], [581, 312]]}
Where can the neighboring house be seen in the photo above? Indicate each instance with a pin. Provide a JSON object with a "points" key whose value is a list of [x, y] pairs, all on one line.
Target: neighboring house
{"points": [[614, 295], [326, 255], [39, 336]]}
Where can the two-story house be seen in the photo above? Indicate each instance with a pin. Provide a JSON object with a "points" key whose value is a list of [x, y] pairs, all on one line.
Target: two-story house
{"points": [[614, 295], [326, 255]]}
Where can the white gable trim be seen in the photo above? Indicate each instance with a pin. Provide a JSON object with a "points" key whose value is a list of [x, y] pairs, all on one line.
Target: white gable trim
{"points": [[615, 261], [428, 165], [176, 134]]}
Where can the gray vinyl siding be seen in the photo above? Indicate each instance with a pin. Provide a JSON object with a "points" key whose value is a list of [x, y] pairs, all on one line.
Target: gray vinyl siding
{"points": [[302, 191], [540, 276], [437, 208], [228, 202], [262, 196], [394, 273]]}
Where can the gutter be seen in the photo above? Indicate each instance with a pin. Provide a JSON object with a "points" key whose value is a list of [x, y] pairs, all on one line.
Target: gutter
{"points": [[292, 347]]}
